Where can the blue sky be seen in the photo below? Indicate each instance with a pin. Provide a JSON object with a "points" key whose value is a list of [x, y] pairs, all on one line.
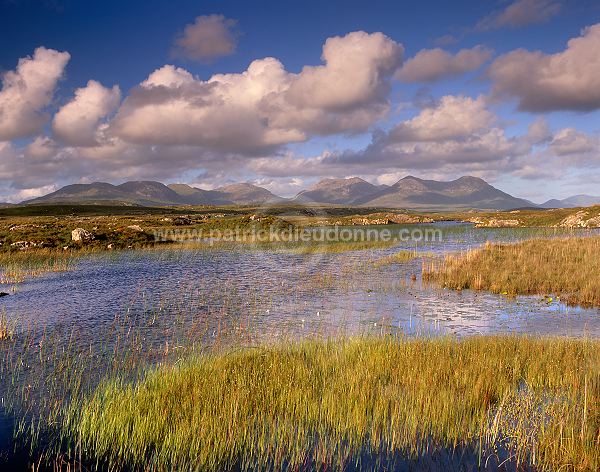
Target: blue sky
{"points": [[300, 135]]}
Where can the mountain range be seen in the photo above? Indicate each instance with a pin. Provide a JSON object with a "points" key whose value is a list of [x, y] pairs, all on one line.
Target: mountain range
{"points": [[572, 202], [409, 192], [149, 193]]}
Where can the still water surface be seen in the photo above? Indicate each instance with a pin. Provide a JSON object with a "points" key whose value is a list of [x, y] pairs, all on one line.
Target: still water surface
{"points": [[155, 303], [288, 294]]}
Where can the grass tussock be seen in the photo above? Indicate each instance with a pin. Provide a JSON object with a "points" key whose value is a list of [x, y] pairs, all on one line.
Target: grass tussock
{"points": [[403, 256], [6, 328], [335, 247], [327, 405], [568, 268], [17, 266], [293, 247]]}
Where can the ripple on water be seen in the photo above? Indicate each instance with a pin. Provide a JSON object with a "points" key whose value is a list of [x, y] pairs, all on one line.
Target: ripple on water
{"points": [[291, 294]]}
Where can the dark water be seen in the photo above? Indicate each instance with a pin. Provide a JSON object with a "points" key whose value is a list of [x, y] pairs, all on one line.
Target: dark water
{"points": [[176, 297]]}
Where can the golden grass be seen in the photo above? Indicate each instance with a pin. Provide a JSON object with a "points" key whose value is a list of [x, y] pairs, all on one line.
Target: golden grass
{"points": [[335, 247], [568, 268], [403, 256], [326, 405], [17, 266], [291, 246], [6, 328]]}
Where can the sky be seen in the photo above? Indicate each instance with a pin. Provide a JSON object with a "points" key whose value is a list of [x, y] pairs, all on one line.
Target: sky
{"points": [[283, 94]]}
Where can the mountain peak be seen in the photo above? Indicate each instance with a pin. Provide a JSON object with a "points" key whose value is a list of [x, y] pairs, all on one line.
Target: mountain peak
{"points": [[470, 178], [409, 192], [465, 192], [572, 202], [411, 177], [238, 186], [351, 191], [332, 183], [246, 193]]}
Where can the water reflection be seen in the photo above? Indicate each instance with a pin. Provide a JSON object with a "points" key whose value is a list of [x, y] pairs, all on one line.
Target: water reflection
{"points": [[275, 294], [151, 306]]}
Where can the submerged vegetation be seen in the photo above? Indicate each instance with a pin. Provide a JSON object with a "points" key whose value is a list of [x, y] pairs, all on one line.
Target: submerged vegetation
{"points": [[566, 267], [353, 403]]}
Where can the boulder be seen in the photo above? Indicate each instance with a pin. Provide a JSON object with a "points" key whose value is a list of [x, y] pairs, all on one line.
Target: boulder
{"points": [[22, 245], [81, 235], [581, 219], [182, 221], [499, 223]]}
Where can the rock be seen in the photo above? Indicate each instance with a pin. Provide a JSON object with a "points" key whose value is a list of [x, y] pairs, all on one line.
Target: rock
{"points": [[81, 235], [22, 245], [493, 223], [593, 222], [137, 228], [24, 227], [390, 218], [182, 221], [110, 246], [580, 219], [497, 223]]}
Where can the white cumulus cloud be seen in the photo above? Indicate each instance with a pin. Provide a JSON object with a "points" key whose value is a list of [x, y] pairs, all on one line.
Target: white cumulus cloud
{"points": [[265, 106], [209, 37], [568, 80], [520, 13], [77, 121], [430, 65], [27, 91], [454, 117]]}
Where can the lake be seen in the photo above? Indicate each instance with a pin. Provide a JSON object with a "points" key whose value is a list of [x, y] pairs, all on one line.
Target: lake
{"points": [[151, 306]]}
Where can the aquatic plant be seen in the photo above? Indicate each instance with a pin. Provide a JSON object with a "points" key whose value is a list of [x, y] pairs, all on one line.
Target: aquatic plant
{"points": [[6, 328], [365, 403], [17, 266], [566, 267]]}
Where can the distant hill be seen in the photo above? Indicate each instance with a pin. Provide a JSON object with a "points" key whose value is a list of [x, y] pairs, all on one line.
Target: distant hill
{"points": [[243, 194], [414, 193], [131, 193], [572, 202], [197, 196], [149, 193], [409, 192], [339, 191]]}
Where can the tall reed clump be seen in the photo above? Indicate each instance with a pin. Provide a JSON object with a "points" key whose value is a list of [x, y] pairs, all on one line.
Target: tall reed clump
{"points": [[17, 266], [569, 268], [6, 328], [359, 403], [403, 256]]}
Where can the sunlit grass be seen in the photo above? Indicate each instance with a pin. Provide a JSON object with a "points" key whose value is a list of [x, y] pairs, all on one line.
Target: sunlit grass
{"points": [[6, 328], [334, 247], [403, 256], [17, 266], [328, 404], [569, 268], [289, 247]]}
